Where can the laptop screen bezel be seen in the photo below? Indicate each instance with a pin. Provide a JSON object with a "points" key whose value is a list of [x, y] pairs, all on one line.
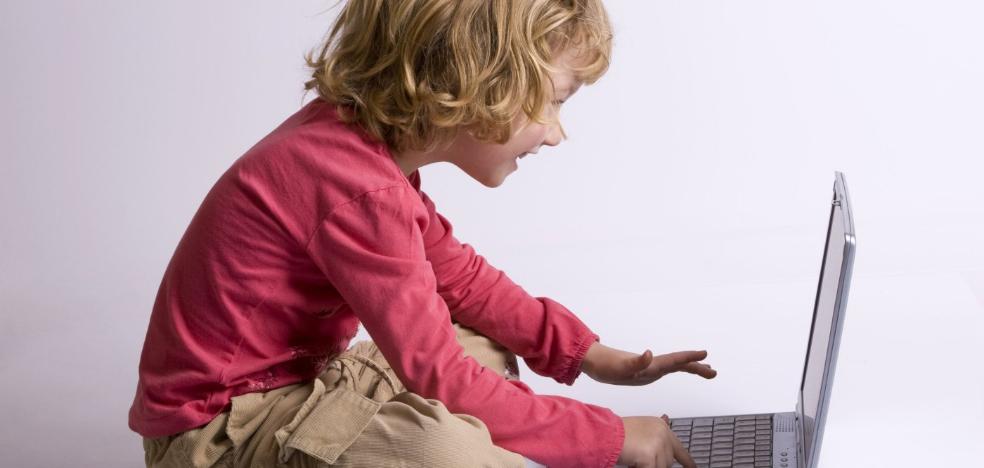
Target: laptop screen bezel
{"points": [[840, 207]]}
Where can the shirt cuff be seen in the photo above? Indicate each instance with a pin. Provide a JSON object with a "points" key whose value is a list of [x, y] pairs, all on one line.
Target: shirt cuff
{"points": [[572, 368], [618, 436]]}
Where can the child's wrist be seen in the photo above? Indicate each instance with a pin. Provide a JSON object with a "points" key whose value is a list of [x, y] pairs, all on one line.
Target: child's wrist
{"points": [[591, 358]]}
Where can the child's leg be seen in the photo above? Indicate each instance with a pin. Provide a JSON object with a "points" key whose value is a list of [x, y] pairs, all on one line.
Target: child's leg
{"points": [[410, 430], [487, 352], [202, 447]]}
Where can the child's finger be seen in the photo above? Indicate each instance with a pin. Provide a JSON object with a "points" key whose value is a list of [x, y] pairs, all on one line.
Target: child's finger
{"points": [[682, 455], [700, 369], [682, 357]]}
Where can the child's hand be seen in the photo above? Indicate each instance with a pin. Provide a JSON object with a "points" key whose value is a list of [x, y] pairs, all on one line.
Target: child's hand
{"points": [[650, 443], [617, 367]]}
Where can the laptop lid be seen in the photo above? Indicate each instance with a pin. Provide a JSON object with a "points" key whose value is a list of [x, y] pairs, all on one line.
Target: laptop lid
{"points": [[828, 321]]}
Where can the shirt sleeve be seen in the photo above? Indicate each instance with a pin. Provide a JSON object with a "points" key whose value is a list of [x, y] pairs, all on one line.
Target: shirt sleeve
{"points": [[372, 250], [549, 337]]}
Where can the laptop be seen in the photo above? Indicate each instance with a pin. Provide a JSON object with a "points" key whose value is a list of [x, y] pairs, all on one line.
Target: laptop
{"points": [[789, 440]]}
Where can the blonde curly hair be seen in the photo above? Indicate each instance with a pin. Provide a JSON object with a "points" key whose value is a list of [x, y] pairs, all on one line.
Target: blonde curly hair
{"points": [[410, 72]]}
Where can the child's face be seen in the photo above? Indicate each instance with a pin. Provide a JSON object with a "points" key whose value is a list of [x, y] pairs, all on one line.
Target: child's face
{"points": [[490, 163]]}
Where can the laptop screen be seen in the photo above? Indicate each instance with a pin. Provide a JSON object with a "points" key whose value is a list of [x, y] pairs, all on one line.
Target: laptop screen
{"points": [[827, 318]]}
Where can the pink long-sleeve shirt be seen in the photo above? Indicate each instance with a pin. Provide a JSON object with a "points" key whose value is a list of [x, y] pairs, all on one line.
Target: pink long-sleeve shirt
{"points": [[316, 229]]}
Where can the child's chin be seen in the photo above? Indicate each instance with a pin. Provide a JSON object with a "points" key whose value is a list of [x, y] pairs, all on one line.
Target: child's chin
{"points": [[493, 182], [494, 179]]}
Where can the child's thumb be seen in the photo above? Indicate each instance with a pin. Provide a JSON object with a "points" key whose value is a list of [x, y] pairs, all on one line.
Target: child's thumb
{"points": [[642, 363]]}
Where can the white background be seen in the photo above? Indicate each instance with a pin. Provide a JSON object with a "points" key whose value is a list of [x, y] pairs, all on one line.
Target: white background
{"points": [[687, 209]]}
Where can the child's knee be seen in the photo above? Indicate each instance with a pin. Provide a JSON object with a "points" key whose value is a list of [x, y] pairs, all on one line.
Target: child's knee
{"points": [[487, 352], [433, 436]]}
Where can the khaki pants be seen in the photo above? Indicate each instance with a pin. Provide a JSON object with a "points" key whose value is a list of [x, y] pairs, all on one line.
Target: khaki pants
{"points": [[354, 414]]}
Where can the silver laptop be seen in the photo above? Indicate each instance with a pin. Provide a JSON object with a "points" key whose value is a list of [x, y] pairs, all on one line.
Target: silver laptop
{"points": [[789, 440]]}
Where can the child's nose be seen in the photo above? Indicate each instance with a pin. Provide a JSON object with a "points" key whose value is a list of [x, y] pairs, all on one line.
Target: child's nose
{"points": [[553, 137]]}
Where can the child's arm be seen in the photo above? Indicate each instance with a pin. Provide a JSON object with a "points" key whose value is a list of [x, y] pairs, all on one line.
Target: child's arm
{"points": [[549, 337], [372, 250]]}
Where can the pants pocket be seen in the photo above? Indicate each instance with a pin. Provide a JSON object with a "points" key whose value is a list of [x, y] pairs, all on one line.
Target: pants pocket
{"points": [[326, 424]]}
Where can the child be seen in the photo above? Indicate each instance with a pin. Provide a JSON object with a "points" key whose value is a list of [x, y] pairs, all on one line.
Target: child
{"points": [[322, 225]]}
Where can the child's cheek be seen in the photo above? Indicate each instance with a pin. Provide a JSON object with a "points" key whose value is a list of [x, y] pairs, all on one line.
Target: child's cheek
{"points": [[536, 134]]}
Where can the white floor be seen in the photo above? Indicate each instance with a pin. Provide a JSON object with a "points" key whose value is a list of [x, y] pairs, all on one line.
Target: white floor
{"points": [[909, 386]]}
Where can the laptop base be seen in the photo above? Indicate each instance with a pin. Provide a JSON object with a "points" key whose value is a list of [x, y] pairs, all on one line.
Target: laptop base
{"points": [[766, 440]]}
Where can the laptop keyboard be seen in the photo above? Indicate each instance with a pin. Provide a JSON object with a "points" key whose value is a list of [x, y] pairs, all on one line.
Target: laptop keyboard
{"points": [[727, 441]]}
